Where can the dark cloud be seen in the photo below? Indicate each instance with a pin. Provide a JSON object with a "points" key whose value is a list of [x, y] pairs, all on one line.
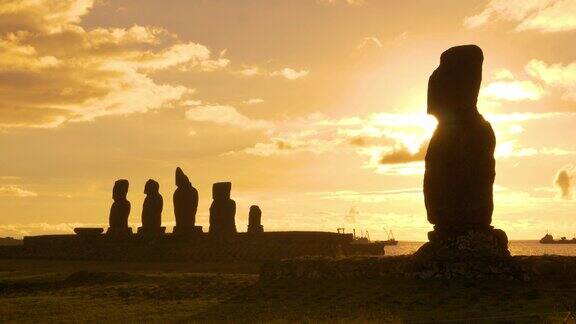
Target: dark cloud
{"points": [[401, 154], [564, 181], [283, 145], [358, 141]]}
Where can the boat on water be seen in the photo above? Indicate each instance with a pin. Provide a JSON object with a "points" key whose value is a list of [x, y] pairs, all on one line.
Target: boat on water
{"points": [[364, 238], [391, 240], [549, 239], [361, 244]]}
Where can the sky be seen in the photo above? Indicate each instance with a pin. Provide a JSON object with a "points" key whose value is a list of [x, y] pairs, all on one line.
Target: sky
{"points": [[315, 110]]}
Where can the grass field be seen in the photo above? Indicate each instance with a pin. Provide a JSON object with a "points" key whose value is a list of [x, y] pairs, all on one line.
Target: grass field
{"points": [[59, 291]]}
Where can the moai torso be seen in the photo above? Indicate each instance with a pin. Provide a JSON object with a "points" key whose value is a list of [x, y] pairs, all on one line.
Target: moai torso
{"points": [[152, 208], [185, 201], [222, 210], [460, 172], [120, 209]]}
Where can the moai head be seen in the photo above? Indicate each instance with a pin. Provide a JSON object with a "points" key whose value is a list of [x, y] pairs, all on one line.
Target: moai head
{"points": [[120, 190], [151, 187], [255, 210], [181, 179], [221, 190], [255, 215], [454, 86]]}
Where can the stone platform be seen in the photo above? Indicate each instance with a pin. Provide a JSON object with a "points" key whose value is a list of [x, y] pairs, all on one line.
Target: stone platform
{"points": [[171, 247], [474, 253], [529, 268]]}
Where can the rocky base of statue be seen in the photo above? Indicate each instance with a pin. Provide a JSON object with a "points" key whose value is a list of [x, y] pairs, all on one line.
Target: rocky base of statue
{"points": [[153, 231], [187, 231], [255, 229], [119, 231], [471, 254]]}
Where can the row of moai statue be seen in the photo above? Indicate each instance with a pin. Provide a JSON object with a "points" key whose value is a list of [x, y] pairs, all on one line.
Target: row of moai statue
{"points": [[185, 199]]}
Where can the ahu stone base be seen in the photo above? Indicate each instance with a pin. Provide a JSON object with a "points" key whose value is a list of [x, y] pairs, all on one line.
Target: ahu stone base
{"points": [[470, 254], [151, 232], [187, 231], [202, 247]]}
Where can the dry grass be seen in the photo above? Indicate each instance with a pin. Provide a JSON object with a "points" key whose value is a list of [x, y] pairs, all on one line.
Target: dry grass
{"points": [[56, 291]]}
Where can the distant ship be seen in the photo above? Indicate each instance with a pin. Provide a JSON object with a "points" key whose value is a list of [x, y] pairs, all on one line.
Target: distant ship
{"points": [[549, 239], [391, 240], [364, 238]]}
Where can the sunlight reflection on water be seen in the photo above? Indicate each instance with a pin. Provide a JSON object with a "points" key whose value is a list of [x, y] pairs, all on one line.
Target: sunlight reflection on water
{"points": [[516, 248]]}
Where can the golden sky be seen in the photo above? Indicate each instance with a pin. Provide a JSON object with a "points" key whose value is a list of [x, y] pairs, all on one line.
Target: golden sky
{"points": [[314, 109]]}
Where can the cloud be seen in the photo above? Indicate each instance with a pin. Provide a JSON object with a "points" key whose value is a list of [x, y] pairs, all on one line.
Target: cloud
{"points": [[254, 101], [225, 115], [52, 70], [557, 75], [365, 196], [512, 91], [402, 154], [378, 136], [42, 15], [505, 87], [564, 181], [510, 148], [16, 191], [250, 71], [560, 16], [393, 144], [542, 15], [348, 2], [287, 73], [290, 74], [503, 74]]}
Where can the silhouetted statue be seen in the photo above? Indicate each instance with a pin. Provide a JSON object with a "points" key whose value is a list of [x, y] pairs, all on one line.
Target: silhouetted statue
{"points": [[255, 220], [120, 209], [152, 210], [185, 204], [460, 158], [222, 210], [459, 178]]}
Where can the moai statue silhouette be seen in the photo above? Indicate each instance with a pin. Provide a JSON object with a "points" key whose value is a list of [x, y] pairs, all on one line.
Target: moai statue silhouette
{"points": [[152, 210], [120, 210], [460, 165], [185, 200], [222, 210], [255, 220]]}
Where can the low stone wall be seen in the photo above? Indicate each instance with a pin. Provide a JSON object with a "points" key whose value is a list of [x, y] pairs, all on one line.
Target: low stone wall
{"points": [[169, 247], [547, 267]]}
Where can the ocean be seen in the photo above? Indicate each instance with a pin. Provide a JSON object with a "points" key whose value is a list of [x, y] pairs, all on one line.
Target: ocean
{"points": [[516, 248]]}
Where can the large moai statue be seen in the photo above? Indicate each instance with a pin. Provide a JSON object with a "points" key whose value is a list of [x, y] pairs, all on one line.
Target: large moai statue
{"points": [[222, 210], [152, 210], [255, 220], [460, 165], [185, 200], [120, 209]]}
